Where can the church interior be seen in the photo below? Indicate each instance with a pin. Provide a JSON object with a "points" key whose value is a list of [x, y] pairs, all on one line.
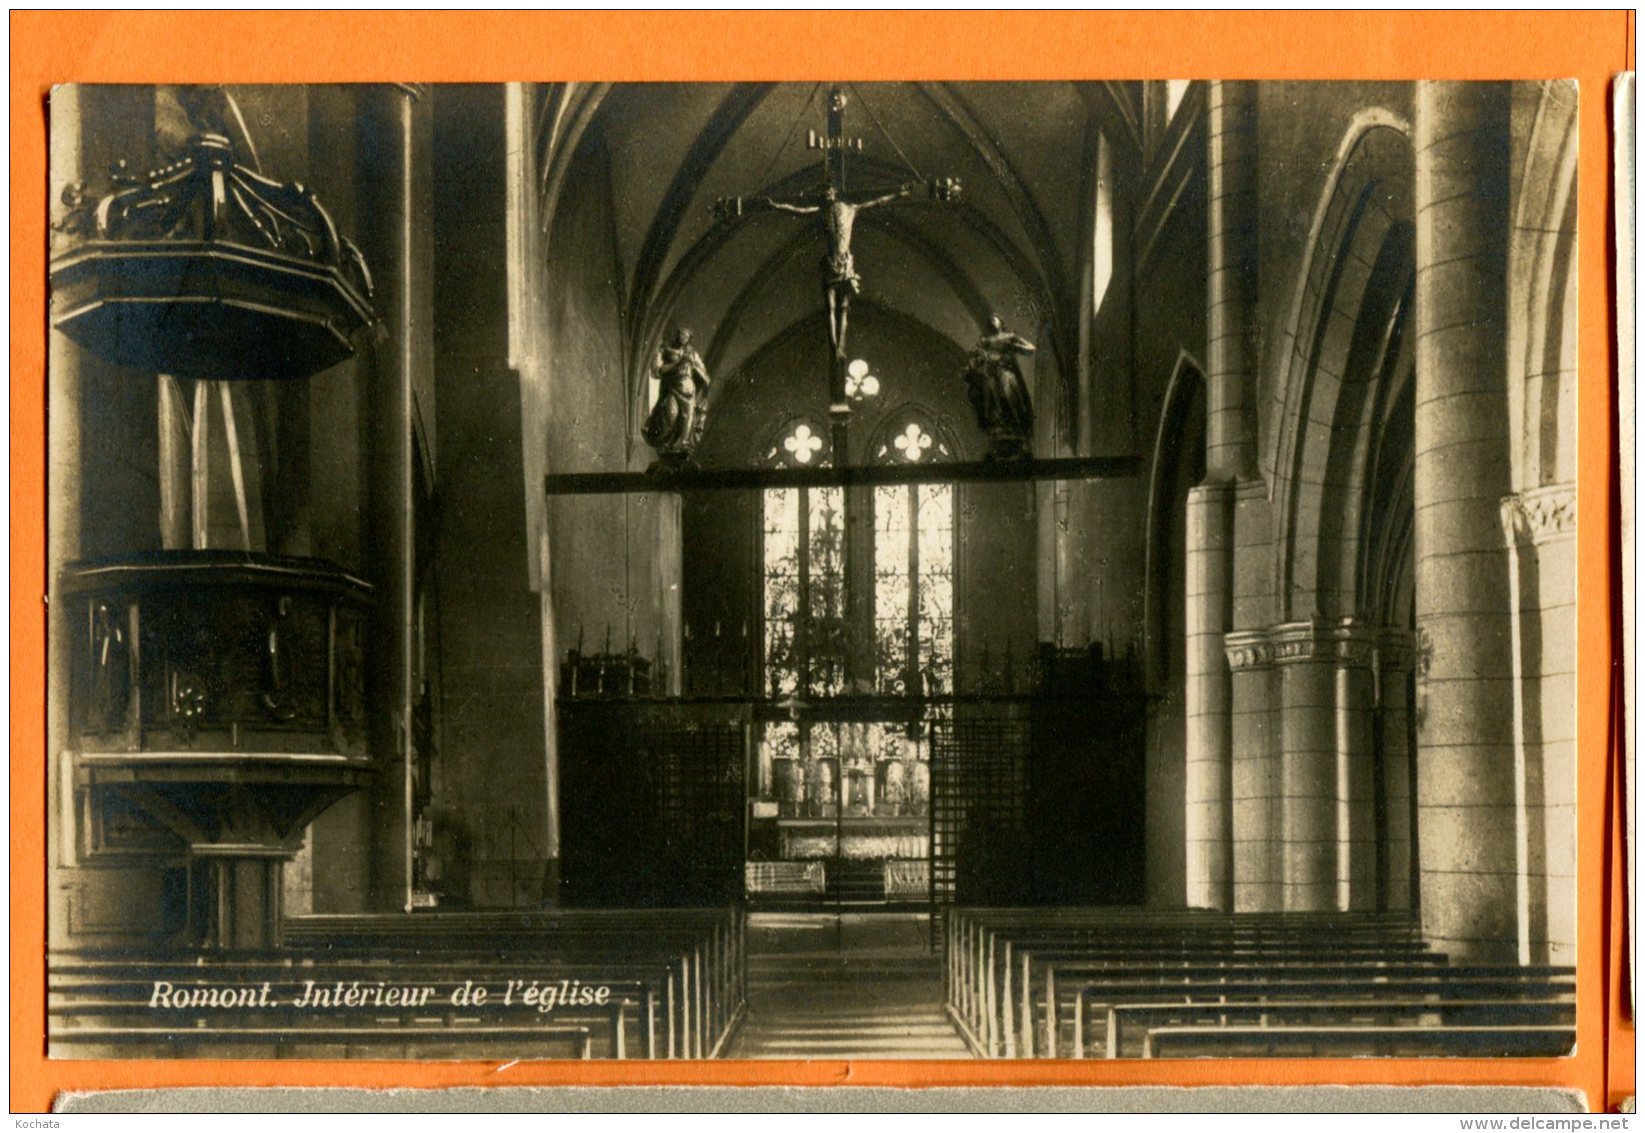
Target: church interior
{"points": [[813, 570]]}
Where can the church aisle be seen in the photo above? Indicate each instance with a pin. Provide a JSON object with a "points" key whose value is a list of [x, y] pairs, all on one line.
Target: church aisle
{"points": [[861, 985]]}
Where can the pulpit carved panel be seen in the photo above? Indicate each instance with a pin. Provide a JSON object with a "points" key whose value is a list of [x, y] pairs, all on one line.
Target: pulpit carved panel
{"points": [[196, 651]]}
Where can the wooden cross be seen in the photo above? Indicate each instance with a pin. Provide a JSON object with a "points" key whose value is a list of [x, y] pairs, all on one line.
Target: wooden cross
{"points": [[834, 144], [837, 214]]}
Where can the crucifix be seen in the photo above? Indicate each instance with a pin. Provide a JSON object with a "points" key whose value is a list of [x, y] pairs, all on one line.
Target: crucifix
{"points": [[837, 213]]}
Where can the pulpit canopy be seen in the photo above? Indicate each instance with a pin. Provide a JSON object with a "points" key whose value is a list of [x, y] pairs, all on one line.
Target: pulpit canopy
{"points": [[205, 268]]}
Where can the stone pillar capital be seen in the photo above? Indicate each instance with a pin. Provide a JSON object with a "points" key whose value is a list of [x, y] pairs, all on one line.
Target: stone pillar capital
{"points": [[1347, 643], [1285, 644], [1302, 642], [1539, 515], [1355, 644], [1248, 649]]}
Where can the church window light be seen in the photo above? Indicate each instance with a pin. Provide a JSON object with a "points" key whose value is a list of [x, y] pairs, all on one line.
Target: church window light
{"points": [[802, 444], [913, 576], [1175, 89], [860, 383], [1102, 227], [912, 443], [803, 601]]}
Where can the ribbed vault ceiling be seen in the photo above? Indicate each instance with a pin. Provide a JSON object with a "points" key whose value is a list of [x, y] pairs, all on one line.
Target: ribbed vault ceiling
{"points": [[1021, 151]]}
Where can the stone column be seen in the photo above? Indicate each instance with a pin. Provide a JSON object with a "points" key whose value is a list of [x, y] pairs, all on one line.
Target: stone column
{"points": [[1254, 688], [1466, 783], [1355, 647], [1308, 766], [1231, 269], [63, 488], [1392, 724], [1306, 811], [240, 890], [1230, 451], [1541, 530], [1257, 799], [667, 571], [1208, 770], [176, 473], [393, 211]]}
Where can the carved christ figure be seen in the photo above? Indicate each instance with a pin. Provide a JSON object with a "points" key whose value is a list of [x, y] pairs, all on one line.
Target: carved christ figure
{"points": [[840, 278]]}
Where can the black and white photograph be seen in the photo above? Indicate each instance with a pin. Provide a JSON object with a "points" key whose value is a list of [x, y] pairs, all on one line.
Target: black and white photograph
{"points": [[813, 570]]}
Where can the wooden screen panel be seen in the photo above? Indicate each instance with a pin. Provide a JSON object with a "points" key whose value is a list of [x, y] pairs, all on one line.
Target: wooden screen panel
{"points": [[652, 803], [979, 808]]}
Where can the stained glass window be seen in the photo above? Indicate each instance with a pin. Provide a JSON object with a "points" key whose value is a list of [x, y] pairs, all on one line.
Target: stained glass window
{"points": [[782, 590], [859, 383], [808, 641], [913, 570], [914, 589], [826, 621], [804, 583], [934, 584]]}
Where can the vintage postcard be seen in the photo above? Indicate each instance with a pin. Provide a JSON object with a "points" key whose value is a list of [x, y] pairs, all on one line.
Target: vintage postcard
{"points": [[884, 570], [799, 572]]}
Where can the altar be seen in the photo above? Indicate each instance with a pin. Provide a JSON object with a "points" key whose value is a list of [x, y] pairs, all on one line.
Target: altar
{"points": [[859, 859], [854, 838]]}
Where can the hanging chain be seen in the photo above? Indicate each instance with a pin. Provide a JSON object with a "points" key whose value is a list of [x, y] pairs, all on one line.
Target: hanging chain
{"points": [[886, 134], [792, 129]]}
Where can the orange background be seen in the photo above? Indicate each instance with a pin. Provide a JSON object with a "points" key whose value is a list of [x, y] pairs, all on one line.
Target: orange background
{"points": [[48, 48]]}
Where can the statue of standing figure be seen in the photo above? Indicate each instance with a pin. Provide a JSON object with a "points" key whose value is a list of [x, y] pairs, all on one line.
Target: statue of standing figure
{"points": [[675, 425], [998, 391]]}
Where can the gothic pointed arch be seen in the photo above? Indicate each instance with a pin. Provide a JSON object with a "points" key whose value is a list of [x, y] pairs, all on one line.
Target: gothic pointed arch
{"points": [[893, 442], [1542, 255], [1345, 338], [1177, 464]]}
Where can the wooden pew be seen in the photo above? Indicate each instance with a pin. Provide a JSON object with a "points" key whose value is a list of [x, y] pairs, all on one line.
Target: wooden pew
{"points": [[977, 940], [1019, 975], [1002, 1008], [971, 930], [236, 1041], [1128, 1021], [1099, 1001], [625, 1024], [1284, 1042], [676, 978], [81, 1002], [973, 940], [704, 993], [1017, 979], [1092, 1001], [640, 990]]}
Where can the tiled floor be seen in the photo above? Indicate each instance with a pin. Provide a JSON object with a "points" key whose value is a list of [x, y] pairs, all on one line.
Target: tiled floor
{"points": [[858, 985]]}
